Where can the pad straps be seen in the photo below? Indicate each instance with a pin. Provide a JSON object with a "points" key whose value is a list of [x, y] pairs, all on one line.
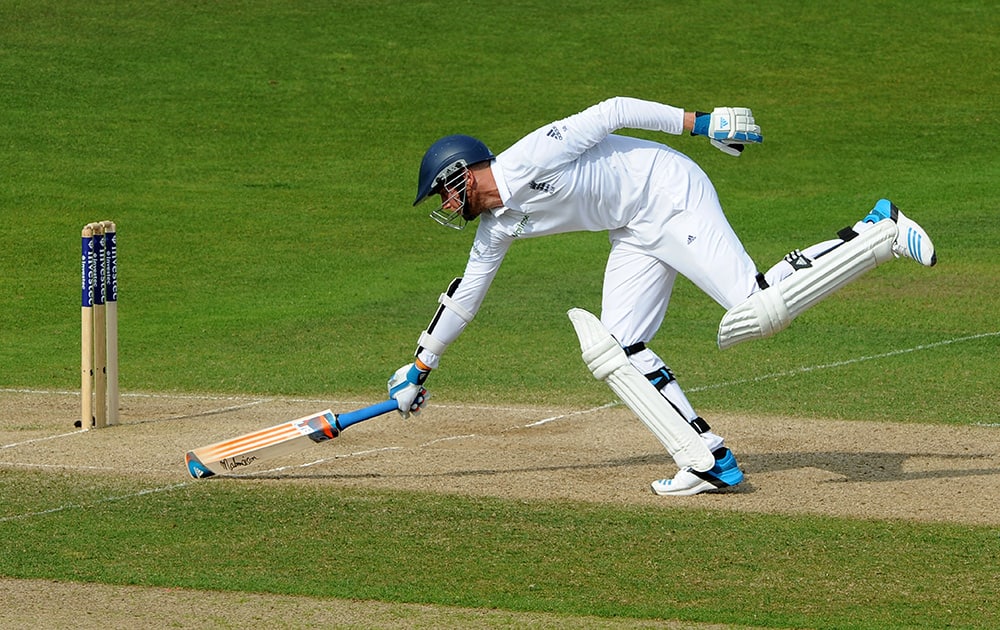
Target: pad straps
{"points": [[660, 379], [634, 348]]}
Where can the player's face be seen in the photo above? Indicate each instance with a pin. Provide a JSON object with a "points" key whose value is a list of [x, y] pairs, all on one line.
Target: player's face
{"points": [[452, 197]]}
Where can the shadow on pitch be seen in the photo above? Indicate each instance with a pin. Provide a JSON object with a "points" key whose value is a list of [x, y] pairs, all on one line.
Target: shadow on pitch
{"points": [[643, 460], [851, 467], [865, 467]]}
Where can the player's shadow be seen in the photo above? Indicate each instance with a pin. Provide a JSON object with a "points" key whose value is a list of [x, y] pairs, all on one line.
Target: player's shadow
{"points": [[865, 467], [851, 467]]}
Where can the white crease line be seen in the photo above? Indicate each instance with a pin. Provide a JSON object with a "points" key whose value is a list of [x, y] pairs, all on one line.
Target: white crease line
{"points": [[59, 466], [200, 414], [258, 473], [64, 392], [835, 364], [448, 439], [570, 415], [41, 439], [367, 452], [493, 408], [71, 506], [44, 392], [155, 395], [344, 456], [76, 467]]}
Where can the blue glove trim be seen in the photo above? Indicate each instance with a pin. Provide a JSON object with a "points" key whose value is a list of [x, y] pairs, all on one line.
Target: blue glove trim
{"points": [[416, 375], [747, 137], [701, 123]]}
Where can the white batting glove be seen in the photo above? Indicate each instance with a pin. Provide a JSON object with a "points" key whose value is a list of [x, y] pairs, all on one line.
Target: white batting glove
{"points": [[728, 128], [406, 387], [733, 123]]}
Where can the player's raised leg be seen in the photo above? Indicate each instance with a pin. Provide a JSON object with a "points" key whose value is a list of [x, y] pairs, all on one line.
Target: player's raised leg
{"points": [[804, 278]]}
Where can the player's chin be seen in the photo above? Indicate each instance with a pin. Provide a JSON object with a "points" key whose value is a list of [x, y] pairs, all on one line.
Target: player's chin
{"points": [[471, 211]]}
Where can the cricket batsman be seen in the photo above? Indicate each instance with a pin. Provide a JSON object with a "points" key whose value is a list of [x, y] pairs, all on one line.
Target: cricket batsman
{"points": [[663, 218]]}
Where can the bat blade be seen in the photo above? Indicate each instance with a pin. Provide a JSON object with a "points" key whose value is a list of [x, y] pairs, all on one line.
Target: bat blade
{"points": [[254, 448]]}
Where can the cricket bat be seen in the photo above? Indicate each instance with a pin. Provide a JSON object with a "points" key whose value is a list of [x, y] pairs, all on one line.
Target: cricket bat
{"points": [[288, 437]]}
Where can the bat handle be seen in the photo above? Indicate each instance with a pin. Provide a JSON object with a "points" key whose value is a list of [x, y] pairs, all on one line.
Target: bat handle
{"points": [[345, 420]]}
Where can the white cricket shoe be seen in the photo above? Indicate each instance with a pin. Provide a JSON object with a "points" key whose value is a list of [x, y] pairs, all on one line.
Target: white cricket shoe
{"points": [[725, 474], [912, 241]]}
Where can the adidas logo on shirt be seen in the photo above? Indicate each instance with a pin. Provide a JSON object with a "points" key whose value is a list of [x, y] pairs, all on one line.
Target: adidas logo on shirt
{"points": [[544, 187], [554, 133]]}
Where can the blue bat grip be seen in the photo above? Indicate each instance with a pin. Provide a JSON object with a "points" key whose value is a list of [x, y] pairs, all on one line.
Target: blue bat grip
{"points": [[345, 420]]}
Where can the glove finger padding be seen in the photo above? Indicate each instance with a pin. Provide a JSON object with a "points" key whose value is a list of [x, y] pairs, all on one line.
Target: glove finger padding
{"points": [[733, 123], [410, 398], [406, 388], [417, 405]]}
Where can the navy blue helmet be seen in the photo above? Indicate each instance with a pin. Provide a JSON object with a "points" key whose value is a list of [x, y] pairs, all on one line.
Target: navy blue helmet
{"points": [[445, 160]]}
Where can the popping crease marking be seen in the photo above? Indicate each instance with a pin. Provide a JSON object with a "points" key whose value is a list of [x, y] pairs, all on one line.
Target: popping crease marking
{"points": [[448, 439], [111, 499], [41, 439], [836, 364], [63, 467], [323, 460], [568, 415]]}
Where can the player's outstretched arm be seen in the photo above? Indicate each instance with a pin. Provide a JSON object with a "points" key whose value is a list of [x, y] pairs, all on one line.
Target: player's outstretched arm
{"points": [[406, 385]]}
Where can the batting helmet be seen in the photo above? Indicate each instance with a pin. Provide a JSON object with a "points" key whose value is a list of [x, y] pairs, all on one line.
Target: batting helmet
{"points": [[446, 156]]}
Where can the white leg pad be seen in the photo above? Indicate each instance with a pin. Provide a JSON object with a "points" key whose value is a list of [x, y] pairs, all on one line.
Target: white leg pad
{"points": [[773, 309], [607, 361]]}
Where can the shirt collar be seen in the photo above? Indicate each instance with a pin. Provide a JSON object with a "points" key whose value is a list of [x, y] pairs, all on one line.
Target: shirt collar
{"points": [[502, 187]]}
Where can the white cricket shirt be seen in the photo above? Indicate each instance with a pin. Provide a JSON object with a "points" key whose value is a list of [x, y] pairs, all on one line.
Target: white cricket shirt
{"points": [[571, 175]]}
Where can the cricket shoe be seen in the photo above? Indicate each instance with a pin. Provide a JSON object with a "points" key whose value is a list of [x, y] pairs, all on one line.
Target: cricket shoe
{"points": [[725, 474], [912, 241]]}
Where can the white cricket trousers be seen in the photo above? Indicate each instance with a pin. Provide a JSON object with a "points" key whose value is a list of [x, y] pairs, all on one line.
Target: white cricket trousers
{"points": [[682, 230]]}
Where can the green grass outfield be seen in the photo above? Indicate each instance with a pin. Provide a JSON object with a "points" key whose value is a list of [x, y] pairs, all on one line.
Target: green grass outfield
{"points": [[260, 159]]}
